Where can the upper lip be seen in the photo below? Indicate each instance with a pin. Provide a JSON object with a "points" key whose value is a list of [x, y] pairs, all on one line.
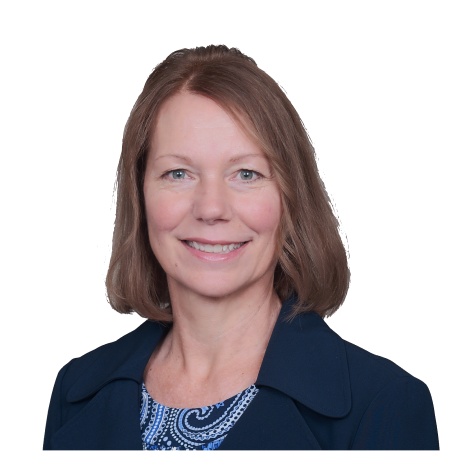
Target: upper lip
{"points": [[205, 241]]}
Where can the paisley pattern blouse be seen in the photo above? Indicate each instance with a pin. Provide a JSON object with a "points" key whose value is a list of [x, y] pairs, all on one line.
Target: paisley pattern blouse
{"points": [[199, 428]]}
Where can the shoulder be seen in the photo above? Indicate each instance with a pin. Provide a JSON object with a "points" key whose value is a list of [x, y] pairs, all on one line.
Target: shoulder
{"points": [[124, 358], [370, 371], [373, 377], [107, 376], [392, 408]]}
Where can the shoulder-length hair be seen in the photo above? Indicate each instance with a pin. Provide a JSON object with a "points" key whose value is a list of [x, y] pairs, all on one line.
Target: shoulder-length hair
{"points": [[312, 260]]}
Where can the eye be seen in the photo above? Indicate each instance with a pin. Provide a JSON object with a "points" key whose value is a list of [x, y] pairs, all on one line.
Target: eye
{"points": [[249, 171], [179, 172], [176, 171]]}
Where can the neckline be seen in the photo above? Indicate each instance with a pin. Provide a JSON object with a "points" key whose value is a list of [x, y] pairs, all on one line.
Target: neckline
{"points": [[217, 405]]}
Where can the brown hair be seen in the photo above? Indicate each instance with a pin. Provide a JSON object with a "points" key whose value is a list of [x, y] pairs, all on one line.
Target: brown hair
{"points": [[312, 259]]}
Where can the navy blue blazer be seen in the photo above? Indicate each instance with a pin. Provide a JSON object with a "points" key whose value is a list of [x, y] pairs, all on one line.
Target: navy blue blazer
{"points": [[317, 391]]}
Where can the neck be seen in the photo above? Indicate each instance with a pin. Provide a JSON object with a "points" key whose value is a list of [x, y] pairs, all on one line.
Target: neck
{"points": [[208, 340]]}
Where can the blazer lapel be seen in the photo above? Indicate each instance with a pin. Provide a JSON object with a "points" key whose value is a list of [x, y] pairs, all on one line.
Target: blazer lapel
{"points": [[109, 421], [271, 421], [109, 389], [305, 361]]}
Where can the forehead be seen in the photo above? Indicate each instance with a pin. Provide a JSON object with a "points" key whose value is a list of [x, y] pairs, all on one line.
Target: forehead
{"points": [[191, 110], [194, 123]]}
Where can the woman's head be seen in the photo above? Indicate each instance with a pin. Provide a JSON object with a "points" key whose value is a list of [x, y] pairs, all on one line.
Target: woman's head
{"points": [[209, 186], [224, 90]]}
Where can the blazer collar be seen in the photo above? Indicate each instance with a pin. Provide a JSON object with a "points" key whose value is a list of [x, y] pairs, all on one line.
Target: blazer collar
{"points": [[304, 359], [307, 361], [125, 358]]}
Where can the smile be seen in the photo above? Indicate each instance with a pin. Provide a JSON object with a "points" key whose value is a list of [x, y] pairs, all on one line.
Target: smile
{"points": [[215, 248]]}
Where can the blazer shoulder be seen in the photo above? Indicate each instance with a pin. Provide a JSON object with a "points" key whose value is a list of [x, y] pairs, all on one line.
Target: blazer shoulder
{"points": [[363, 361], [372, 370], [401, 416], [123, 358]]}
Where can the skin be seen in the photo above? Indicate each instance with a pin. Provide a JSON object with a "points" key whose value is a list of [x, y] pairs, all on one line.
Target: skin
{"points": [[224, 311]]}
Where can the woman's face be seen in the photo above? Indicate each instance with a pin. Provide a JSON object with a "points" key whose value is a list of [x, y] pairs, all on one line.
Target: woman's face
{"points": [[208, 188]]}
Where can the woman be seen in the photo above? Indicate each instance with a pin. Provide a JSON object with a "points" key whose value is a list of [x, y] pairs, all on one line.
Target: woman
{"points": [[226, 242]]}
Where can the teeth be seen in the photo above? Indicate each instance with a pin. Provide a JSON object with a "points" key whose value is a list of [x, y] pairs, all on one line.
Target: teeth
{"points": [[215, 249]]}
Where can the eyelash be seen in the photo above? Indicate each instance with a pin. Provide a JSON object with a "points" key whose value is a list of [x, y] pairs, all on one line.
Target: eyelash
{"points": [[259, 176]]}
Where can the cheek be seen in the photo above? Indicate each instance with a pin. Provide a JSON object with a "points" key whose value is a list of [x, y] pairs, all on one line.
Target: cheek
{"points": [[262, 214], [164, 211]]}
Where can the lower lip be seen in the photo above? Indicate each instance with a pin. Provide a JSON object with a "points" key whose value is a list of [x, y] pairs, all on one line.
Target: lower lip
{"points": [[212, 257]]}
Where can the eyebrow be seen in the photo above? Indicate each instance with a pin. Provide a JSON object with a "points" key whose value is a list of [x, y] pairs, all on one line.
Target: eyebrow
{"points": [[232, 160]]}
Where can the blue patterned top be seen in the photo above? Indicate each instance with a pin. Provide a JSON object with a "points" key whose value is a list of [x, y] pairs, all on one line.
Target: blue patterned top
{"points": [[199, 428]]}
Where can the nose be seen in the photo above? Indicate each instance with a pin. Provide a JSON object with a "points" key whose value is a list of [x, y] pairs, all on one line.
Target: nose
{"points": [[212, 201]]}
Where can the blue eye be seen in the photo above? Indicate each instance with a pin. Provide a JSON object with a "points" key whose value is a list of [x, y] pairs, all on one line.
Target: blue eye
{"points": [[246, 174], [175, 171], [178, 171], [249, 172]]}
